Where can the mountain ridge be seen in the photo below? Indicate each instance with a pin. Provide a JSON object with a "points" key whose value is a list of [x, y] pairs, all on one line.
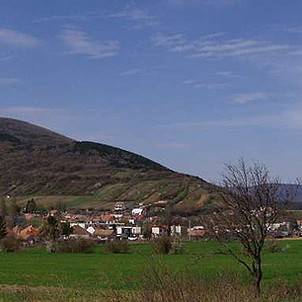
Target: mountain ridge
{"points": [[38, 161]]}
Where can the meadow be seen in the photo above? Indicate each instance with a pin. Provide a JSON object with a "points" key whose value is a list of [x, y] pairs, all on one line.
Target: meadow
{"points": [[34, 268]]}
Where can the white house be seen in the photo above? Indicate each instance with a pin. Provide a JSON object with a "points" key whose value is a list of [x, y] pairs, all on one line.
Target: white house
{"points": [[91, 230], [122, 230], [176, 230], [119, 206], [158, 231], [136, 230], [137, 211], [80, 224], [128, 231]]}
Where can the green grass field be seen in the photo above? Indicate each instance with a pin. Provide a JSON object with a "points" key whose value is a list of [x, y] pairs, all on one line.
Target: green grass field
{"points": [[35, 267]]}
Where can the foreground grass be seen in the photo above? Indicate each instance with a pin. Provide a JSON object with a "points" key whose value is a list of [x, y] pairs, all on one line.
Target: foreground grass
{"points": [[31, 271], [36, 267]]}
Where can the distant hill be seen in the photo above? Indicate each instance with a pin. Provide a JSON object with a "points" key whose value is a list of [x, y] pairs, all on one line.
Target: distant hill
{"points": [[38, 162], [293, 189]]}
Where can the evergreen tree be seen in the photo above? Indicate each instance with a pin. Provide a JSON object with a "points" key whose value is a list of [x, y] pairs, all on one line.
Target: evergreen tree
{"points": [[51, 229], [65, 229]]}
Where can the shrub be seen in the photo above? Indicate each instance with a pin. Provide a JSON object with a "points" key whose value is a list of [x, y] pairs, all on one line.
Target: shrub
{"points": [[162, 245], [51, 247], [273, 246], [74, 246], [177, 246], [10, 244], [117, 247]]}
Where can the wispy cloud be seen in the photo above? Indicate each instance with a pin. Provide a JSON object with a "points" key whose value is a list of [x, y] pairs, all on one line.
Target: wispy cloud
{"points": [[244, 98], [80, 43], [226, 74], [141, 17], [289, 119], [68, 18], [130, 72], [205, 85], [17, 39], [172, 145], [216, 46], [26, 110], [9, 81], [5, 58], [170, 41], [203, 2], [286, 28]]}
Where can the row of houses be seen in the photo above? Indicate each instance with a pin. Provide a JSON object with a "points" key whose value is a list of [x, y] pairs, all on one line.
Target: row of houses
{"points": [[134, 233], [138, 222]]}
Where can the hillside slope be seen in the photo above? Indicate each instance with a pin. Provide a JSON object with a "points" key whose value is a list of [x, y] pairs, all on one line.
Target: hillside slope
{"points": [[37, 161]]}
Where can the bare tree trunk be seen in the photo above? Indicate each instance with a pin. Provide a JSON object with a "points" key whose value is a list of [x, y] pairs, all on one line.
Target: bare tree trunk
{"points": [[257, 274]]}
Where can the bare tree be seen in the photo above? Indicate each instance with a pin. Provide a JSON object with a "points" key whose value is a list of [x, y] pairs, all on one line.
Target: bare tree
{"points": [[251, 202]]}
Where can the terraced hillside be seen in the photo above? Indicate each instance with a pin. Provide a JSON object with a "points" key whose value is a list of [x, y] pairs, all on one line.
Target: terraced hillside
{"points": [[38, 162]]}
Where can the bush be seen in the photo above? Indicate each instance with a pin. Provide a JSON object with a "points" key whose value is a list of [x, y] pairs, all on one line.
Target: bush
{"points": [[51, 247], [177, 246], [74, 246], [273, 246], [10, 244], [117, 247], [162, 245]]}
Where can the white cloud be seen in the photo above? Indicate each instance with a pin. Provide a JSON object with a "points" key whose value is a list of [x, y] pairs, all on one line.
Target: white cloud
{"points": [[130, 72], [63, 18], [286, 28], [244, 98], [5, 58], [136, 15], [189, 82], [202, 2], [226, 74], [289, 119], [17, 39], [169, 41], [206, 85], [80, 43], [9, 81], [217, 47], [26, 110]]}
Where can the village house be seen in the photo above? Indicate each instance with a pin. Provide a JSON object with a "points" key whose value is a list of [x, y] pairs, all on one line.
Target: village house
{"points": [[176, 230], [196, 232], [136, 230], [129, 232], [119, 206], [299, 224], [91, 230], [103, 234], [108, 218], [80, 224], [159, 230], [137, 212], [29, 233], [79, 232]]}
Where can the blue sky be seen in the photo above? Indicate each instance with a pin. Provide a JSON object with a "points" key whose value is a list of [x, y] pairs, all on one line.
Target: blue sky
{"points": [[189, 83]]}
